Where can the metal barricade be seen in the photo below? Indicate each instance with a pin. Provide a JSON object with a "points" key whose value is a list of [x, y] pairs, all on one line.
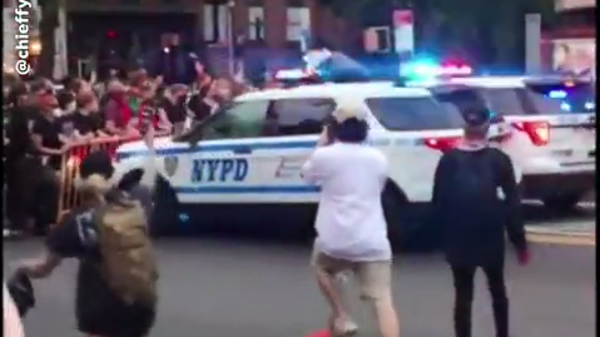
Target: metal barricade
{"points": [[68, 196]]}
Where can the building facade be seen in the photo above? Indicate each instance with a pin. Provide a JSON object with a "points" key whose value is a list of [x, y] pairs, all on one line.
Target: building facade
{"points": [[571, 45], [269, 30]]}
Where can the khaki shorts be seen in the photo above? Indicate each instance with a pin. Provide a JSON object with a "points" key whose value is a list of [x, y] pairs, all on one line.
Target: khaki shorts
{"points": [[374, 277]]}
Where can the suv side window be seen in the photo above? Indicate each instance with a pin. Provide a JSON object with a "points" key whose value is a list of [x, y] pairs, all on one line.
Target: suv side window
{"points": [[240, 120], [299, 116]]}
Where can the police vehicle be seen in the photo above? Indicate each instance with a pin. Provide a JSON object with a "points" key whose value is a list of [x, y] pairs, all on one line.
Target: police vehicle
{"points": [[553, 129], [246, 157]]}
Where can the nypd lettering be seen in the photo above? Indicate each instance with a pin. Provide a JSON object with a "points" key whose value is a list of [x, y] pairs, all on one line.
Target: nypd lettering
{"points": [[219, 170]]}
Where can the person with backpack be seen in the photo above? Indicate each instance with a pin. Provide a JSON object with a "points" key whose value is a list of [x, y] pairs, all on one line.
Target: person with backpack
{"points": [[475, 202], [116, 292]]}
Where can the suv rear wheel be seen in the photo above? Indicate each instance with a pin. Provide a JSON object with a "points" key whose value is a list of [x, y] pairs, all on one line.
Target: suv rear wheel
{"points": [[165, 214]]}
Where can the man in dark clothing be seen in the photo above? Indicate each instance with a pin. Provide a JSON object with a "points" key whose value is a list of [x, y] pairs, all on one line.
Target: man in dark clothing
{"points": [[18, 160], [85, 122], [173, 103], [474, 227], [173, 63], [98, 308], [47, 149]]}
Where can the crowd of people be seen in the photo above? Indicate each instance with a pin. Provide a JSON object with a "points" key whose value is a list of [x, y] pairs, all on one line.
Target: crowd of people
{"points": [[43, 123]]}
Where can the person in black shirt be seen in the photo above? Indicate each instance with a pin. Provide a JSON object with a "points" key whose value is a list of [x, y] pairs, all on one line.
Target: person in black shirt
{"points": [[99, 310], [48, 150], [174, 106], [19, 164], [46, 131], [203, 105], [85, 123], [474, 219]]}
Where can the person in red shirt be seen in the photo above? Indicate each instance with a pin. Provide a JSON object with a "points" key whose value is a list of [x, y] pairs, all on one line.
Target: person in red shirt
{"points": [[117, 112]]}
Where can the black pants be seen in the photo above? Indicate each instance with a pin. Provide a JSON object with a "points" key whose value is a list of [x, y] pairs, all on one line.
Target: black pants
{"points": [[464, 278], [32, 193]]}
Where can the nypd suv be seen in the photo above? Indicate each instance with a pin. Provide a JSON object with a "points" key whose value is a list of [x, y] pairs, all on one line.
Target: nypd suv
{"points": [[246, 157], [553, 129]]}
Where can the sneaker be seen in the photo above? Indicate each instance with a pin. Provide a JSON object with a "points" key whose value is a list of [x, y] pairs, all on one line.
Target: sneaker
{"points": [[344, 327]]}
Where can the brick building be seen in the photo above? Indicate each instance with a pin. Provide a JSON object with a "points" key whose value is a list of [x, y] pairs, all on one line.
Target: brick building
{"points": [[271, 29]]}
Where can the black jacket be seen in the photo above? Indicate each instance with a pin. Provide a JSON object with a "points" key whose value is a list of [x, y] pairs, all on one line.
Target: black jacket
{"points": [[474, 234], [176, 67]]}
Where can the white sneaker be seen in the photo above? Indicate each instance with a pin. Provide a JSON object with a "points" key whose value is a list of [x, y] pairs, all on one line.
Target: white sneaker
{"points": [[344, 327]]}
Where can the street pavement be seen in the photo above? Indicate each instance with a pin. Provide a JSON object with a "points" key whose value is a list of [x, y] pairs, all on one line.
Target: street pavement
{"points": [[229, 286]]}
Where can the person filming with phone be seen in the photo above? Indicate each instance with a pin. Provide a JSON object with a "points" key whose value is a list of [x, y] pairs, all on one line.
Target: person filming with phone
{"points": [[350, 224]]}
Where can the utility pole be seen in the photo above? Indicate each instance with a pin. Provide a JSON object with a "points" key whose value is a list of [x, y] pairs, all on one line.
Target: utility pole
{"points": [[230, 37]]}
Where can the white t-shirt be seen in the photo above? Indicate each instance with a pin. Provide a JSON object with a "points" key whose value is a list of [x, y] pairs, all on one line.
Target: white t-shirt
{"points": [[350, 223]]}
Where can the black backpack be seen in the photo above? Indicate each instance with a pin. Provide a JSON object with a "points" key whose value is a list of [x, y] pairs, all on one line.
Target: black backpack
{"points": [[475, 179]]}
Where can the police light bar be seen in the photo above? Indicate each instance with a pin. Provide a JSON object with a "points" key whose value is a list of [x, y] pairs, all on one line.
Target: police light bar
{"points": [[290, 74], [314, 58], [420, 70], [456, 70], [294, 74]]}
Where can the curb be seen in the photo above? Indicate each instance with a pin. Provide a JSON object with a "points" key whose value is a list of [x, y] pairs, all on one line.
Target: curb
{"points": [[562, 240], [558, 232]]}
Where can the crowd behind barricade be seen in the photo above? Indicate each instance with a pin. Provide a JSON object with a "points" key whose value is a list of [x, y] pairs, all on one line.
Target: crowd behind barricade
{"points": [[43, 124]]}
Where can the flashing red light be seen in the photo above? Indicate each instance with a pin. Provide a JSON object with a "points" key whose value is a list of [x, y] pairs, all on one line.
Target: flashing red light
{"points": [[111, 34], [443, 144], [538, 132], [456, 70]]}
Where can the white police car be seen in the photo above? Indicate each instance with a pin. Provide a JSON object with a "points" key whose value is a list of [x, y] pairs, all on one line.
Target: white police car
{"points": [[553, 122], [247, 156]]}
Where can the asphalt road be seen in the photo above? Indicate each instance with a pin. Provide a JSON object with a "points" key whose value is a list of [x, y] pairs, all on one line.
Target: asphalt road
{"points": [[228, 286]]}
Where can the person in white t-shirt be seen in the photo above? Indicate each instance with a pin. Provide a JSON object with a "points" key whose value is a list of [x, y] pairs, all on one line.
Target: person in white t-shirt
{"points": [[350, 224]]}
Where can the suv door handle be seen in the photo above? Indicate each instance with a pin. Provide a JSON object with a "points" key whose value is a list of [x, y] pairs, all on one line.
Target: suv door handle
{"points": [[242, 150]]}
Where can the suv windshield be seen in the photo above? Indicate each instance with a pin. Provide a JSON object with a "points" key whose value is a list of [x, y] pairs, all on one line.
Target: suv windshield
{"points": [[413, 114], [576, 97]]}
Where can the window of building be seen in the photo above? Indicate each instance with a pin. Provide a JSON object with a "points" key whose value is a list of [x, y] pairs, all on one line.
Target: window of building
{"points": [[298, 23], [300, 116], [215, 22], [256, 23]]}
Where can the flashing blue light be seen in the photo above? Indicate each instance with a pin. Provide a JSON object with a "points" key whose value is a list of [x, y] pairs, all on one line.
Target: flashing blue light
{"points": [[565, 106], [590, 106], [427, 69], [557, 94], [421, 69], [183, 217]]}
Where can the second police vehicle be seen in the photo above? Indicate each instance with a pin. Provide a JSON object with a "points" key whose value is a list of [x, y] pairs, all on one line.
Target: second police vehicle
{"points": [[552, 123], [242, 164]]}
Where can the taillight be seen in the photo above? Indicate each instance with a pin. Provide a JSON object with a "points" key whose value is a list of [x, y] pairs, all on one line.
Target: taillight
{"points": [[499, 131], [538, 132], [442, 143]]}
